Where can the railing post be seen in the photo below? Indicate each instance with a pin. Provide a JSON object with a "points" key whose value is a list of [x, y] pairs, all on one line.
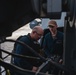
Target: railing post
{"points": [[0, 57]]}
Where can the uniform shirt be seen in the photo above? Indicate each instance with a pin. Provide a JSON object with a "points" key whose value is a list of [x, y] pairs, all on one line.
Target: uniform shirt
{"points": [[53, 45], [26, 63]]}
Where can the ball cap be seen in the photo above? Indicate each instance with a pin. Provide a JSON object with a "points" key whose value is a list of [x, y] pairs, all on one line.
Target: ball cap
{"points": [[52, 23]]}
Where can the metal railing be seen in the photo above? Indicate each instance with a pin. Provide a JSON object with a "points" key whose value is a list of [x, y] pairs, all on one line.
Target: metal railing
{"points": [[27, 72]]}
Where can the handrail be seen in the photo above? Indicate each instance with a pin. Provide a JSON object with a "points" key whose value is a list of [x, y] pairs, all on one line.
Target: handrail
{"points": [[25, 45], [17, 69], [18, 55], [62, 67]]}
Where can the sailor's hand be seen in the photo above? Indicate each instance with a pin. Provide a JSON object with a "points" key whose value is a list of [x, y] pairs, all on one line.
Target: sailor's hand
{"points": [[61, 61], [34, 69]]}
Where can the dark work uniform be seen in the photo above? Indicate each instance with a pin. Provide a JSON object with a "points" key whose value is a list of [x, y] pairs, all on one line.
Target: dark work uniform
{"points": [[53, 48], [27, 63]]}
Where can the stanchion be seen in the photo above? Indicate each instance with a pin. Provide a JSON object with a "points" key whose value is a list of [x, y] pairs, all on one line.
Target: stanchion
{"points": [[0, 57]]}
